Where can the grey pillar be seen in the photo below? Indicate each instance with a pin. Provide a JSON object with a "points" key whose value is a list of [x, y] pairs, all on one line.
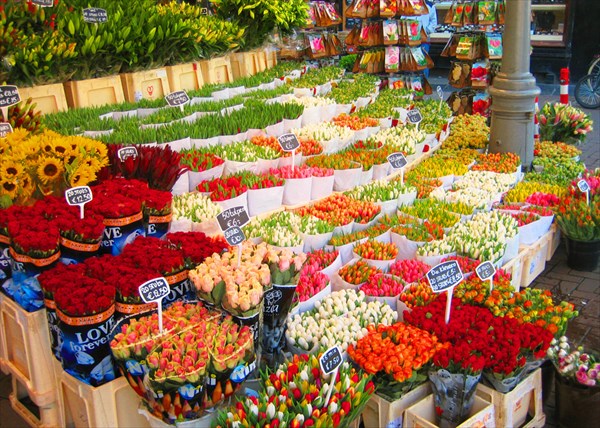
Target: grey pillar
{"points": [[514, 89]]}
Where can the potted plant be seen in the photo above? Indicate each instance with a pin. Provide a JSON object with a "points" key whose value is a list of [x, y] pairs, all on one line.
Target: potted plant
{"points": [[577, 385]]}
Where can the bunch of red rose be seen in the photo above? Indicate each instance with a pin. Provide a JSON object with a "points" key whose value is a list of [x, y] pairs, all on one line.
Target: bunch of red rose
{"points": [[118, 197], [34, 236], [88, 296], [154, 253], [88, 229], [196, 246], [52, 279], [126, 279], [157, 202]]}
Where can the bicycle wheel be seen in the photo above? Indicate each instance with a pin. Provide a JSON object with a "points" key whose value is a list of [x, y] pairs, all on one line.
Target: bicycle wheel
{"points": [[595, 67], [587, 92]]}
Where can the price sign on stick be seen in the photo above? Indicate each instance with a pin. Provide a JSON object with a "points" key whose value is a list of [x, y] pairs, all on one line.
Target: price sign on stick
{"points": [[95, 15], [79, 196], [177, 99], [127, 152], [414, 116], [154, 291], [584, 187], [330, 362], [5, 129], [444, 277], [236, 216], [43, 3], [9, 96], [289, 143], [486, 270], [398, 160], [440, 94], [234, 236]]}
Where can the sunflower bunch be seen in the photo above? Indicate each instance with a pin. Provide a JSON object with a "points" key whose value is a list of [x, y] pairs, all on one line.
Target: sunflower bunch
{"points": [[33, 166]]}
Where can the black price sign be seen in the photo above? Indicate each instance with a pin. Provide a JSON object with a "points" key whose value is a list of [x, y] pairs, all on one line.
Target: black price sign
{"points": [[331, 360], [444, 276], [397, 160], [414, 116], [43, 3], [176, 99], [5, 129], [234, 236], [127, 152], [153, 290], [9, 96], [485, 270], [236, 216], [78, 195], [583, 186], [288, 142], [95, 15]]}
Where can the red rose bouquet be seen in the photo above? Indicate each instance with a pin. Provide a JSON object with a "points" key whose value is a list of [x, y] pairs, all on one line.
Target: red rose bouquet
{"points": [[88, 296], [196, 246], [154, 254], [34, 237]]}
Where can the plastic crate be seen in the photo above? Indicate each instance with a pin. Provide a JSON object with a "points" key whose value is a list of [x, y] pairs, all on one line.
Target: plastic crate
{"points": [[94, 92], [185, 77], [47, 415], [515, 268], [380, 412], [423, 414], [515, 407], [113, 404], [216, 70], [48, 98], [535, 260], [150, 85], [28, 357], [554, 241]]}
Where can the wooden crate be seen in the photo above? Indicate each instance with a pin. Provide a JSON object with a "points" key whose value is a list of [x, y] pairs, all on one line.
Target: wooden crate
{"points": [[380, 412], [150, 85], [28, 357], [535, 260], [515, 407], [515, 268], [554, 241], [243, 64], [94, 92], [271, 55], [48, 98], [113, 404], [261, 60], [185, 77], [49, 413], [216, 70], [423, 414]]}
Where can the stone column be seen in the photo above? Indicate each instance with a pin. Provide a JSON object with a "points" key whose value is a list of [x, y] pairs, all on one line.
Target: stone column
{"points": [[514, 89]]}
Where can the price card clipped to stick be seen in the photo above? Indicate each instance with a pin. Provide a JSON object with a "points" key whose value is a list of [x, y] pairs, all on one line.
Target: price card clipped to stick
{"points": [[486, 270], [444, 277], [177, 99], [289, 143], [398, 161], [5, 129], [9, 96], [154, 291], [95, 15], [584, 187], [231, 221], [127, 152], [43, 3], [330, 362], [440, 94], [79, 196], [414, 116]]}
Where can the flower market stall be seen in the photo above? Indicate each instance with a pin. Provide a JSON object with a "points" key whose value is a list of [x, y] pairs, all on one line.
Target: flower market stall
{"points": [[199, 272]]}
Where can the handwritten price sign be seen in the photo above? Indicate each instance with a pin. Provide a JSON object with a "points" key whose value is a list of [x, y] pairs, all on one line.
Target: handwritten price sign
{"points": [[154, 291], [236, 216]]}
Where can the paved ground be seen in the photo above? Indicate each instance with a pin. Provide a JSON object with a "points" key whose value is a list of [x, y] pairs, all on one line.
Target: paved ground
{"points": [[580, 288]]}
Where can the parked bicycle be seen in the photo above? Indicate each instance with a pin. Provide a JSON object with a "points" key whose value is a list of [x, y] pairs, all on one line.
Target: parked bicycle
{"points": [[587, 90]]}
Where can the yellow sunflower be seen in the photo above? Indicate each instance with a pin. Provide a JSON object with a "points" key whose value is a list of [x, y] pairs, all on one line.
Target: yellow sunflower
{"points": [[27, 189], [49, 169], [9, 187], [10, 168], [81, 176]]}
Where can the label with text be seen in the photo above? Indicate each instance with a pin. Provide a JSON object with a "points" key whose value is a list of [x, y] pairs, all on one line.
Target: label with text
{"points": [[43, 3], [397, 160], [5, 129], [95, 15], [78, 195], [236, 216], [440, 92], [288, 142], [176, 99], [414, 116], [485, 270], [127, 152], [153, 290], [583, 186], [444, 276], [234, 236], [9, 95], [331, 360]]}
